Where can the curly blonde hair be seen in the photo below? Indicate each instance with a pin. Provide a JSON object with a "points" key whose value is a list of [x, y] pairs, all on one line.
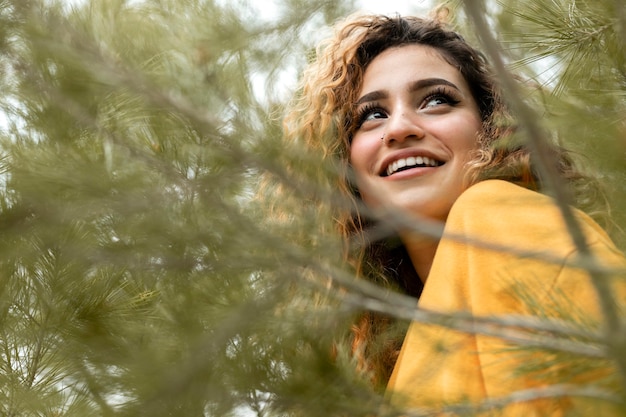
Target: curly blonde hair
{"points": [[322, 117]]}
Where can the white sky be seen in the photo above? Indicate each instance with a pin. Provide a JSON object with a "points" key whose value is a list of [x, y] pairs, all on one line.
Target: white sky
{"points": [[404, 7]]}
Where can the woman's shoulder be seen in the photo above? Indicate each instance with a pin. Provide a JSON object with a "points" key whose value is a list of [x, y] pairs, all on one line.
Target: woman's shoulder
{"points": [[489, 192], [502, 208], [494, 200], [505, 199]]}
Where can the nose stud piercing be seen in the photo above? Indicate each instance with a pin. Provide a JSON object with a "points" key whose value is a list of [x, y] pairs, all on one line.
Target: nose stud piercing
{"points": [[383, 138]]}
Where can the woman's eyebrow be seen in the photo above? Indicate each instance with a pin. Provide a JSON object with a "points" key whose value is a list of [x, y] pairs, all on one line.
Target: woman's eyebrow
{"points": [[430, 82], [373, 96], [417, 85]]}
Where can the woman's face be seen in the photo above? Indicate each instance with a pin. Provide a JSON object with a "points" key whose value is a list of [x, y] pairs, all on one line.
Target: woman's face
{"points": [[425, 110]]}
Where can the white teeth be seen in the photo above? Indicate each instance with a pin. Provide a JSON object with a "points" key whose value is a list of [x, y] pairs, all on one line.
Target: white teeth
{"points": [[411, 161]]}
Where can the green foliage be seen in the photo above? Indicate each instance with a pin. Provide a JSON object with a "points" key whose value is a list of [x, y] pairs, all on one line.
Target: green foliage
{"points": [[136, 276], [575, 49], [139, 275]]}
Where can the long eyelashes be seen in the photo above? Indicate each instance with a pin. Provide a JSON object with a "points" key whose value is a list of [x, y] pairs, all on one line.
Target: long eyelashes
{"points": [[368, 111], [442, 93], [440, 96]]}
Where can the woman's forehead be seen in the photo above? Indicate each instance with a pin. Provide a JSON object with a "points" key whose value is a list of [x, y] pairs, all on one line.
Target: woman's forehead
{"points": [[408, 63]]}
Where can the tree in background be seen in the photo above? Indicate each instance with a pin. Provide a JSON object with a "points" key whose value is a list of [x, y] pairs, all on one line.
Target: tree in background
{"points": [[135, 273], [140, 274], [583, 73]]}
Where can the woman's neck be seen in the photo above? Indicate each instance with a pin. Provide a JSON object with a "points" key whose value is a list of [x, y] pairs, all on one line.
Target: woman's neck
{"points": [[421, 250]]}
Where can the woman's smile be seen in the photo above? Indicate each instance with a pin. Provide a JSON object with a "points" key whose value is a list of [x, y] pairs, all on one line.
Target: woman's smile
{"points": [[409, 160]]}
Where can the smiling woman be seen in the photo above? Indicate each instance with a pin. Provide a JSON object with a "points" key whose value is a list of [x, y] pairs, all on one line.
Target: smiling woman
{"points": [[413, 105], [416, 117]]}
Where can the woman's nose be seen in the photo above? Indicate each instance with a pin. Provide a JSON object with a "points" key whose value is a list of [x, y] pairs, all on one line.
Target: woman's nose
{"points": [[402, 126]]}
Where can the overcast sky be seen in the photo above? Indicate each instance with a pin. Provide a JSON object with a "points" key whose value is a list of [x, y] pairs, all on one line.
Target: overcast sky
{"points": [[396, 6]]}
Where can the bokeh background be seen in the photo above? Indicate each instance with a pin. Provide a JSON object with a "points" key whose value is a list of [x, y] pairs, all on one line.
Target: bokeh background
{"points": [[141, 273]]}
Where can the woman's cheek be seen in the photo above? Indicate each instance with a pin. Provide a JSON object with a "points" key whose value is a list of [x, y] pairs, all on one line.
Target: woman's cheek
{"points": [[363, 151]]}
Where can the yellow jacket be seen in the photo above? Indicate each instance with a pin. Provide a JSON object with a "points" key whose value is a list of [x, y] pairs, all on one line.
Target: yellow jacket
{"points": [[440, 367]]}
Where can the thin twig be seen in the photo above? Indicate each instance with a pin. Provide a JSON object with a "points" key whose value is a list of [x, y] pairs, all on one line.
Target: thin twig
{"points": [[552, 391], [614, 338], [367, 295]]}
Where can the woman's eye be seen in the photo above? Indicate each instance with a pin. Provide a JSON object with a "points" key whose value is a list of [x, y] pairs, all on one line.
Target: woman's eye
{"points": [[438, 100], [374, 114], [371, 113]]}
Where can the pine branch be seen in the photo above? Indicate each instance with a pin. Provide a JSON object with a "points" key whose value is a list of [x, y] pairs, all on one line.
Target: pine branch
{"points": [[522, 396], [614, 336], [394, 219], [369, 296]]}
